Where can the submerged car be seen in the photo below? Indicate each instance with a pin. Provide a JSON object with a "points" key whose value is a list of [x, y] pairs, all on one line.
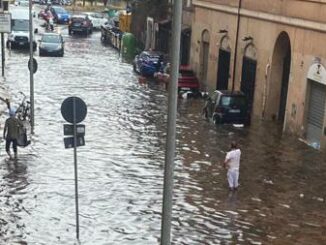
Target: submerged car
{"points": [[51, 44], [148, 62], [97, 19], [227, 107], [80, 23], [60, 15], [187, 80]]}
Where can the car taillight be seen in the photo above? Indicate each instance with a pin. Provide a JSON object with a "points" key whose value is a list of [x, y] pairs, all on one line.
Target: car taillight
{"points": [[219, 110]]}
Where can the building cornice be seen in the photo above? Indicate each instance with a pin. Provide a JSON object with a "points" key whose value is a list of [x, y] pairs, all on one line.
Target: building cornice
{"points": [[291, 21]]}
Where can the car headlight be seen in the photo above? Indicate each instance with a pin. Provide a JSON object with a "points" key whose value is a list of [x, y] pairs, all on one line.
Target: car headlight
{"points": [[11, 37]]}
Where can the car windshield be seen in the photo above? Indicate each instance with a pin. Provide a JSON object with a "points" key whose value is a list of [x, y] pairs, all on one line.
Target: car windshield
{"points": [[96, 15], [20, 25], [231, 101], [60, 10], [78, 19], [51, 39], [24, 3]]}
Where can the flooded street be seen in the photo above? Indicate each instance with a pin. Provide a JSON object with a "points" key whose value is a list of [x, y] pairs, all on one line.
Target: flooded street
{"points": [[281, 200]]}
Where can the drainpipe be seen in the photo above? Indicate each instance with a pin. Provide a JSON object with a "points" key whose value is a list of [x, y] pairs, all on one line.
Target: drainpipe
{"points": [[236, 45]]}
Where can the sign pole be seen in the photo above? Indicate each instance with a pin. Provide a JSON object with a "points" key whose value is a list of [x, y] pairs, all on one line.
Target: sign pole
{"points": [[31, 70], [171, 130], [75, 162], [3, 54]]}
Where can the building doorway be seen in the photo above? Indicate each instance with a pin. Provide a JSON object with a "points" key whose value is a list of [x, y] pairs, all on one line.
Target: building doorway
{"points": [[223, 69], [204, 58], [185, 46], [279, 79], [316, 105], [248, 75]]}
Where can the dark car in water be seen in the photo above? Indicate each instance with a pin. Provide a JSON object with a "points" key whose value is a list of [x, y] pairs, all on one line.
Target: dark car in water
{"points": [[51, 44], [80, 24], [148, 62], [227, 107]]}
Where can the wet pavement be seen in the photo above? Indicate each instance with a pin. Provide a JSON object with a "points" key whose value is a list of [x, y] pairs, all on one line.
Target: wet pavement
{"points": [[281, 200]]}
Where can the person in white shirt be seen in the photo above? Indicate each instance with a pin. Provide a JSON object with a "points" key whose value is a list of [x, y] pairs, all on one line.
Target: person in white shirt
{"points": [[232, 163]]}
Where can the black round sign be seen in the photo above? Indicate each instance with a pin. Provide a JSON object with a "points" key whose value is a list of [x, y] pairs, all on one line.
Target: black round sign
{"points": [[67, 109], [34, 65]]}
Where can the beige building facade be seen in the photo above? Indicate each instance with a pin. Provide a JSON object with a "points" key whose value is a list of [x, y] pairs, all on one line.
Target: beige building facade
{"points": [[274, 51]]}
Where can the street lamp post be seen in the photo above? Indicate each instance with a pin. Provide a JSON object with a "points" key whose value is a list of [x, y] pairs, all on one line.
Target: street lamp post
{"points": [[236, 45], [171, 131]]}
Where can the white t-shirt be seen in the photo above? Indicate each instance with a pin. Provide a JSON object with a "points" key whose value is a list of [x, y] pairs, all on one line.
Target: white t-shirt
{"points": [[234, 159]]}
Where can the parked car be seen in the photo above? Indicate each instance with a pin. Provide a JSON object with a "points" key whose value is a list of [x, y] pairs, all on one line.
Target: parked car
{"points": [[80, 23], [148, 62], [187, 80], [97, 19], [51, 44], [230, 107], [60, 15], [24, 4], [66, 2]]}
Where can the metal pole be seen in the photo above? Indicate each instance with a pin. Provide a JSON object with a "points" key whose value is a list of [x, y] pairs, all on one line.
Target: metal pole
{"points": [[171, 131], [3, 54], [75, 164], [31, 70], [236, 45]]}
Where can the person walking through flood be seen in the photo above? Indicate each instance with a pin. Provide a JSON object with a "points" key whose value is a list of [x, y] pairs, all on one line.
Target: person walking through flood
{"points": [[232, 163], [11, 132]]}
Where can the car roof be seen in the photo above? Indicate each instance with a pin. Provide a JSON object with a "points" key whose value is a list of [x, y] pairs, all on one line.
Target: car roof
{"points": [[79, 16], [51, 34], [229, 92], [58, 7], [153, 53]]}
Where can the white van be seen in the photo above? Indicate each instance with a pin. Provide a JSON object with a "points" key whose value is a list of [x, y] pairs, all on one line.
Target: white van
{"points": [[19, 36]]}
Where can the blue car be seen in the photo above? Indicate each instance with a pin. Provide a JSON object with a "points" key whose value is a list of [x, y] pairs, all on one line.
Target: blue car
{"points": [[148, 62], [60, 15]]}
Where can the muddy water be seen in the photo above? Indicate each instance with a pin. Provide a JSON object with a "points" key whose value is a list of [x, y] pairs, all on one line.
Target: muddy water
{"points": [[281, 199]]}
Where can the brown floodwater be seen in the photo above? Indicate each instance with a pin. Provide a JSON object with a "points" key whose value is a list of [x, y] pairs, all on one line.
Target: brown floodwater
{"points": [[281, 200]]}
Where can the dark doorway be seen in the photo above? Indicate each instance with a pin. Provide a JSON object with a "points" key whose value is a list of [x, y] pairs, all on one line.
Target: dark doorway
{"points": [[223, 70], [248, 79], [185, 46], [285, 85]]}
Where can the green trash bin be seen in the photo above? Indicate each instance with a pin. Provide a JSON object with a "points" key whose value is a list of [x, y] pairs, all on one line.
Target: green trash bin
{"points": [[128, 46]]}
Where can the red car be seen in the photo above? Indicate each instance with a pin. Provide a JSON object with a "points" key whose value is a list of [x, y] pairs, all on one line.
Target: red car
{"points": [[188, 80]]}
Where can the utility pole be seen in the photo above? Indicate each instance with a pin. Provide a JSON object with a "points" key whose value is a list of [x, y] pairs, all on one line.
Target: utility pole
{"points": [[171, 130], [2, 54], [31, 63], [236, 45]]}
